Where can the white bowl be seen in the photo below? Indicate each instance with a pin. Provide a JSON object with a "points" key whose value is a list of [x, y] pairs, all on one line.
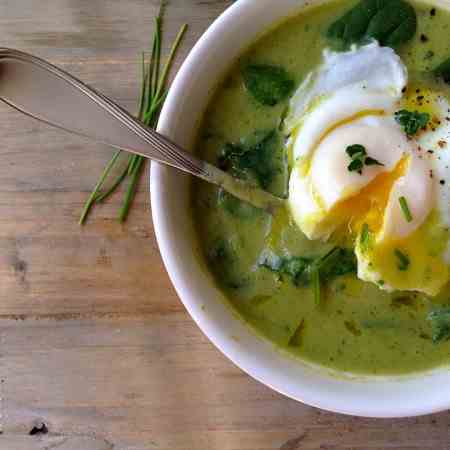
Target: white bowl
{"points": [[208, 62]]}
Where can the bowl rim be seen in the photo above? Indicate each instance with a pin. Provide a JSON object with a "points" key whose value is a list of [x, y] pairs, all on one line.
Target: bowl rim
{"points": [[162, 237]]}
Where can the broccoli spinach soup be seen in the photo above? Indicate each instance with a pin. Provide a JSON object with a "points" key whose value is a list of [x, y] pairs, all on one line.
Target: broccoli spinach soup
{"points": [[344, 111]]}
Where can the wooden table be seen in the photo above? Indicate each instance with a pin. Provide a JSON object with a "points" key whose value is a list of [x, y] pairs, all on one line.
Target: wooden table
{"points": [[94, 341]]}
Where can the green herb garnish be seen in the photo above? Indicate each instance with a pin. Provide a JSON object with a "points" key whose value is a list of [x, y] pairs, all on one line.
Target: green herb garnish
{"points": [[315, 279], [269, 85], [372, 162], [405, 209], [390, 22], [440, 322], [412, 121], [356, 166], [356, 151], [359, 158], [153, 94], [403, 260], [365, 237]]}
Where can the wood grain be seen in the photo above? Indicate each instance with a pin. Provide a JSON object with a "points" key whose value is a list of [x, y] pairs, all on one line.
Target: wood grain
{"points": [[94, 342]]}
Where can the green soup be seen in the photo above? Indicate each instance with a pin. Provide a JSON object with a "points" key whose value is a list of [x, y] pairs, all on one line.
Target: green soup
{"points": [[356, 326]]}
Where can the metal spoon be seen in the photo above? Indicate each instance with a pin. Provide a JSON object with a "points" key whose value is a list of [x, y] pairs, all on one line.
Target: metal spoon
{"points": [[51, 95]]}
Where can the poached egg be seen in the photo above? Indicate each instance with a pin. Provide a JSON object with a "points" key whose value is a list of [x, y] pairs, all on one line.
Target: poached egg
{"points": [[394, 211]]}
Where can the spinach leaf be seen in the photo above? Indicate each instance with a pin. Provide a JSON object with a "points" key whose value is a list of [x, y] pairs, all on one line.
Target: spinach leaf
{"points": [[259, 161], [390, 22], [320, 270], [295, 267], [268, 84], [440, 322], [443, 71]]}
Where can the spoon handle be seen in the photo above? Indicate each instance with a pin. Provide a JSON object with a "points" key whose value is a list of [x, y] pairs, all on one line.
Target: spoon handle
{"points": [[51, 95]]}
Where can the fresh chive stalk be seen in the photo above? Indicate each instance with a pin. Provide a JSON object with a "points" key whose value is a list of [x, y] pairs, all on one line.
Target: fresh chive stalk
{"points": [[153, 93], [405, 209]]}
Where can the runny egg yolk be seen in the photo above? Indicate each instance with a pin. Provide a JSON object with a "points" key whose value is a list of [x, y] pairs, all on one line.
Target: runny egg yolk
{"points": [[366, 207]]}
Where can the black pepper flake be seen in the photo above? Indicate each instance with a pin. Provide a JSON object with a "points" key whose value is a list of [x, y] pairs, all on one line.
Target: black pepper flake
{"points": [[404, 90], [420, 98], [431, 174], [442, 182], [418, 90], [432, 12], [430, 152], [42, 429], [423, 38]]}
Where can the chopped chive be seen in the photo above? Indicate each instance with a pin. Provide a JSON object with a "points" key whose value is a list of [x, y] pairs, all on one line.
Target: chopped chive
{"points": [[403, 260], [405, 209], [315, 278], [365, 237]]}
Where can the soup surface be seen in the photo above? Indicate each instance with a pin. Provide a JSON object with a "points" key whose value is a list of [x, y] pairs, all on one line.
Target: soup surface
{"points": [[353, 325]]}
